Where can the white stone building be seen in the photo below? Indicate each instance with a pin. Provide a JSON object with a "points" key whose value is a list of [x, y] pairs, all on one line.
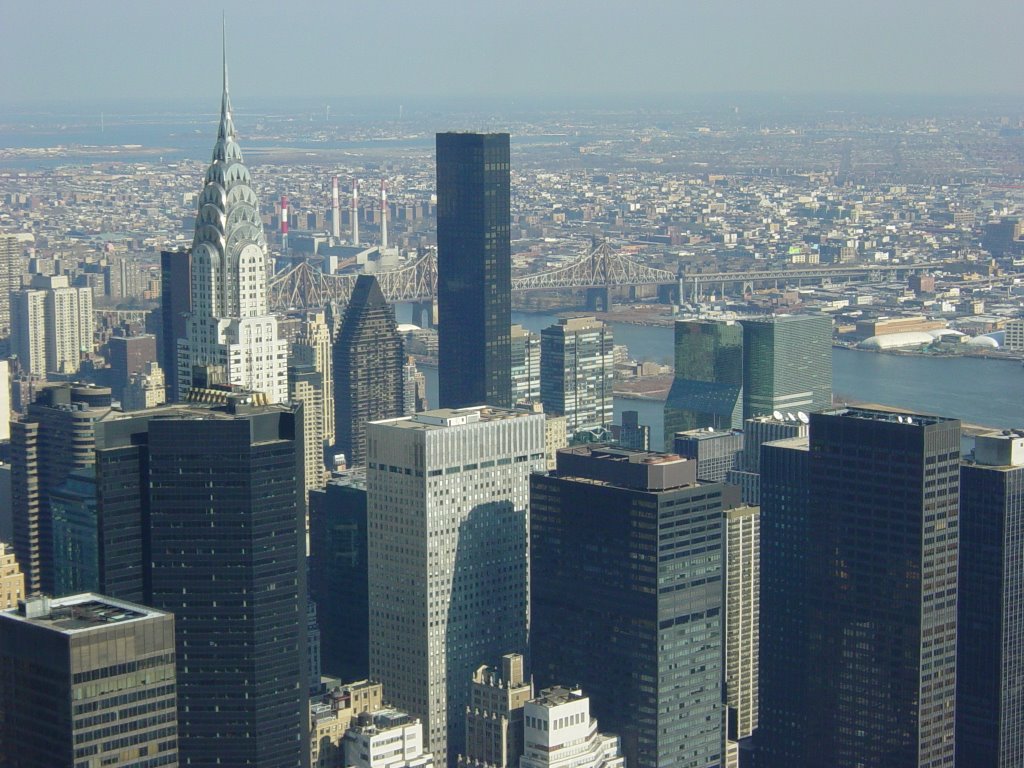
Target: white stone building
{"points": [[560, 733], [387, 738]]}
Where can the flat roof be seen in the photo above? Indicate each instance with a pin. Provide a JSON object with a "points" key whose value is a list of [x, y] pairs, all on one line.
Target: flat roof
{"points": [[78, 613]]}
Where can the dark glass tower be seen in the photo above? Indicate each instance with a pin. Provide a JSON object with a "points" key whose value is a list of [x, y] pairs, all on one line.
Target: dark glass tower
{"points": [[787, 364], [202, 508], [990, 654], [368, 363], [474, 270], [175, 305], [868, 563], [707, 390], [626, 596]]}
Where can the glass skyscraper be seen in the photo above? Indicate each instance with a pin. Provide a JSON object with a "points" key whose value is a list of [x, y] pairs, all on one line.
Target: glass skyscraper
{"points": [[474, 270], [787, 364], [577, 373]]}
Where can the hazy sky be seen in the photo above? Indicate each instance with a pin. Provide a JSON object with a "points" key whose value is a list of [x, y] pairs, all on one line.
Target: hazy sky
{"points": [[108, 49]]}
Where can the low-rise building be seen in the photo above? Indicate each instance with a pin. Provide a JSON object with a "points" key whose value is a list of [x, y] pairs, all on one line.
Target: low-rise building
{"points": [[386, 738]]}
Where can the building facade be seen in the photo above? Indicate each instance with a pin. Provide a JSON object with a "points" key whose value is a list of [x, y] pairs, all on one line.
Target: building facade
{"points": [[715, 452], [865, 672], [577, 373], [627, 595], [368, 362], [70, 666], [386, 738], [560, 733], [474, 270], [525, 365], [313, 347], [989, 701], [12, 580], [494, 717], [787, 364], [742, 629], [448, 514]]}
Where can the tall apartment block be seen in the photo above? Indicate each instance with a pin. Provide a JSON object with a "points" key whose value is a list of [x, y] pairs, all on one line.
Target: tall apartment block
{"points": [[5, 401], [989, 702], [707, 390], [230, 332], [626, 595], [494, 717], [368, 362], [306, 386], [54, 437], [55, 319], [742, 630], [448, 498], [474, 269], [577, 373], [175, 307], [87, 680], [202, 511], [859, 592], [10, 279], [525, 365], [560, 733]]}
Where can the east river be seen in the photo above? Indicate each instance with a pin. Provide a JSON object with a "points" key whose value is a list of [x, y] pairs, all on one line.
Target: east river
{"points": [[975, 390]]}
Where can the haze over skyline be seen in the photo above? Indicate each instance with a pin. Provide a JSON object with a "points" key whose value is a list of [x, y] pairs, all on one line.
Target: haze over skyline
{"points": [[119, 50]]}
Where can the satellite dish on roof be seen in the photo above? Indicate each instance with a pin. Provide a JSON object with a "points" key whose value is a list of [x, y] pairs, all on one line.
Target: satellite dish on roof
{"points": [[899, 419], [790, 416], [777, 415], [803, 417]]}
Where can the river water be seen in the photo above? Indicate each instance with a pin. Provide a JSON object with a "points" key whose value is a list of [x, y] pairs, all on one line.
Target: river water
{"points": [[975, 390]]}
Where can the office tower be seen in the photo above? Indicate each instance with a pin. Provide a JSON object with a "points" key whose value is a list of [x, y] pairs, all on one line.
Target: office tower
{"points": [[560, 733], [787, 364], [859, 593], [756, 432], [5, 401], [313, 347], [53, 325], [313, 671], [707, 390], [414, 388], [210, 499], [631, 433], [128, 355], [626, 595], [742, 617], [87, 680], [525, 365], [494, 717], [330, 714], [28, 331], [145, 389], [577, 374], [306, 386], [12, 580], [989, 707], [387, 738], [75, 534], [338, 575], [55, 436], [368, 362], [715, 452], [10, 279], [474, 270], [175, 306], [448, 516], [229, 326]]}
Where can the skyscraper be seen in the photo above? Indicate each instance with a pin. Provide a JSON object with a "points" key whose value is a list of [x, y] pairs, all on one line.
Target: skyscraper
{"points": [[230, 328], [860, 668], [989, 702], [577, 373], [368, 364], [10, 278], [209, 500], [787, 364], [87, 680], [448, 515], [54, 437], [525, 365], [313, 347], [53, 325], [474, 269], [175, 306], [626, 596], [707, 390], [306, 386]]}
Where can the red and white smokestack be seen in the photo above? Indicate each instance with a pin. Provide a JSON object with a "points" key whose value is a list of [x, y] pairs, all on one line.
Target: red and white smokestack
{"points": [[335, 210], [383, 215], [355, 211], [284, 223]]}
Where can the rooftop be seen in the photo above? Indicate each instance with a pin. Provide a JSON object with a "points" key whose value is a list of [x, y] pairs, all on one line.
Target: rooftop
{"points": [[441, 418], [868, 414], [78, 613]]}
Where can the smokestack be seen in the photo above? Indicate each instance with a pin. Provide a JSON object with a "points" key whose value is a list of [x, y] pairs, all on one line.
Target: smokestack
{"points": [[383, 216], [355, 212], [335, 210], [284, 223]]}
